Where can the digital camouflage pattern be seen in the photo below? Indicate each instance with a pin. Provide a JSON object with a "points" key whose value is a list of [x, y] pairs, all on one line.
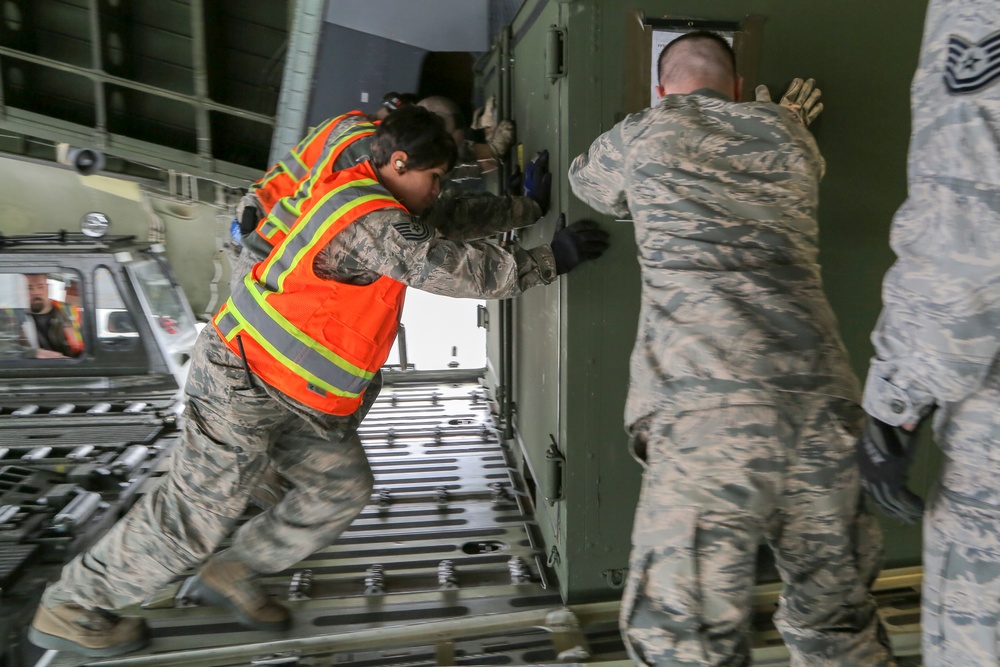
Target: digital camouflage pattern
{"points": [[724, 198], [232, 429], [463, 211], [449, 234], [961, 584], [392, 242], [717, 484], [467, 174], [740, 387], [466, 216], [230, 432], [938, 335], [961, 589], [938, 338], [456, 216], [196, 506]]}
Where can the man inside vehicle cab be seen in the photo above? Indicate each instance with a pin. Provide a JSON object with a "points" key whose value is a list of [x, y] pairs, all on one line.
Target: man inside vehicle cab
{"points": [[46, 328]]}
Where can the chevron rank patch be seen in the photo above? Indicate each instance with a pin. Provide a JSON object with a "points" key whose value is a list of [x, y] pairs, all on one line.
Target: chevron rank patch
{"points": [[413, 230], [972, 66]]}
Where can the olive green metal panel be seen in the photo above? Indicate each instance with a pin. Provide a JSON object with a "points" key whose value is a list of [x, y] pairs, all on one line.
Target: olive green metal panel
{"points": [[38, 197], [600, 317], [537, 367], [583, 329], [490, 79], [564, 344]]}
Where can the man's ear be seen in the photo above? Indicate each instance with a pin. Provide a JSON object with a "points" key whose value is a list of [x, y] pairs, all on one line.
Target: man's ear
{"points": [[398, 161], [738, 89], [660, 92]]}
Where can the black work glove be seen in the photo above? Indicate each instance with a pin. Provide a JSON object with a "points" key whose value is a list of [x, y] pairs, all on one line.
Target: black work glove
{"points": [[884, 456], [580, 241], [515, 182], [251, 215], [538, 180]]}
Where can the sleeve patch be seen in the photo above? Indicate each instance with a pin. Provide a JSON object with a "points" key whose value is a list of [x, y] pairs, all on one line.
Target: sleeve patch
{"points": [[413, 230], [972, 66]]}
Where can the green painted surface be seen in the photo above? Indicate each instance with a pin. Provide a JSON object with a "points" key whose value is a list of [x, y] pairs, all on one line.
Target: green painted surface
{"points": [[863, 57], [39, 197]]}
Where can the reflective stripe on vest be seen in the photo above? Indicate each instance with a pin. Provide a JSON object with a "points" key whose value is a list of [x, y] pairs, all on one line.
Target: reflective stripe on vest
{"points": [[333, 374], [74, 335], [283, 177], [284, 344], [285, 211]]}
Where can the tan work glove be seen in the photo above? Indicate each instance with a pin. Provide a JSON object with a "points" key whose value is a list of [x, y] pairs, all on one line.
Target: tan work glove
{"points": [[501, 137], [802, 99], [485, 116]]}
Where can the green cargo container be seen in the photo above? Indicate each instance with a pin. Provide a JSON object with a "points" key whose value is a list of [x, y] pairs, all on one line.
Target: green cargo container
{"points": [[567, 71]]}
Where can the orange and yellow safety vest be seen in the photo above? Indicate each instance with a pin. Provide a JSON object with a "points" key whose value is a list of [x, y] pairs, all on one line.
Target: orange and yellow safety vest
{"points": [[286, 185], [317, 340]]}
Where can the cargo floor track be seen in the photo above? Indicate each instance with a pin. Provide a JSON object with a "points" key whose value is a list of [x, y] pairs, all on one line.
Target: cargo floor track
{"points": [[441, 568]]}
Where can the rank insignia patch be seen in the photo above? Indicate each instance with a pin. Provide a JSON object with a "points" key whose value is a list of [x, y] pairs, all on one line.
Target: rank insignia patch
{"points": [[972, 66], [414, 230]]}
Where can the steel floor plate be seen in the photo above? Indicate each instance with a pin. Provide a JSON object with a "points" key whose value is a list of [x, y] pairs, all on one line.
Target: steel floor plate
{"points": [[439, 569]]}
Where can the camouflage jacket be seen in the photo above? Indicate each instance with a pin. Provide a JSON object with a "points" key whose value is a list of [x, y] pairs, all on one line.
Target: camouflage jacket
{"points": [[391, 242], [939, 332], [467, 174], [724, 198], [464, 211]]}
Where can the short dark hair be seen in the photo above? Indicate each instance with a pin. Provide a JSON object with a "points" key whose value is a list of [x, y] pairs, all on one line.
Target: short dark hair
{"points": [[696, 34], [419, 133]]}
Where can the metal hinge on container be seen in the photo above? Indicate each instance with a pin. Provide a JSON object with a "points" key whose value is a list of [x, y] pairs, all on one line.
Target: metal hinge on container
{"points": [[554, 463], [555, 61]]}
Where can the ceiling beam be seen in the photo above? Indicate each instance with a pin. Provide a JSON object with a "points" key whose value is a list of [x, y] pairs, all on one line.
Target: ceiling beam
{"points": [[296, 84]]}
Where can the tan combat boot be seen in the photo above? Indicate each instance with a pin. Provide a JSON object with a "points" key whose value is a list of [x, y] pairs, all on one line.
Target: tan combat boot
{"points": [[95, 634], [230, 584]]}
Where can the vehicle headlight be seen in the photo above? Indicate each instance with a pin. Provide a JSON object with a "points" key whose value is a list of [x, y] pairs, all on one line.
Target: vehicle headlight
{"points": [[94, 224]]}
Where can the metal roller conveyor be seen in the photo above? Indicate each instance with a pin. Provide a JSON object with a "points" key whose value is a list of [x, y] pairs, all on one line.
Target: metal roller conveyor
{"points": [[129, 461], [81, 452], [37, 453], [78, 511]]}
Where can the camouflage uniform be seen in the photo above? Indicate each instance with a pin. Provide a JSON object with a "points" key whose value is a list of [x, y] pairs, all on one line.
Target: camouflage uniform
{"points": [[463, 212], [467, 175], [740, 387], [234, 425], [938, 338]]}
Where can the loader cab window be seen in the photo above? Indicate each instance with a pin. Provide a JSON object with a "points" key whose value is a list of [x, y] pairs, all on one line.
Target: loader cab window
{"points": [[165, 304], [41, 316], [116, 329]]}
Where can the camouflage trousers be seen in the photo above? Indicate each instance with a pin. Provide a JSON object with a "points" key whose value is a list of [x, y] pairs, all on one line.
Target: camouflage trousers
{"points": [[717, 484], [230, 432], [960, 616]]}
